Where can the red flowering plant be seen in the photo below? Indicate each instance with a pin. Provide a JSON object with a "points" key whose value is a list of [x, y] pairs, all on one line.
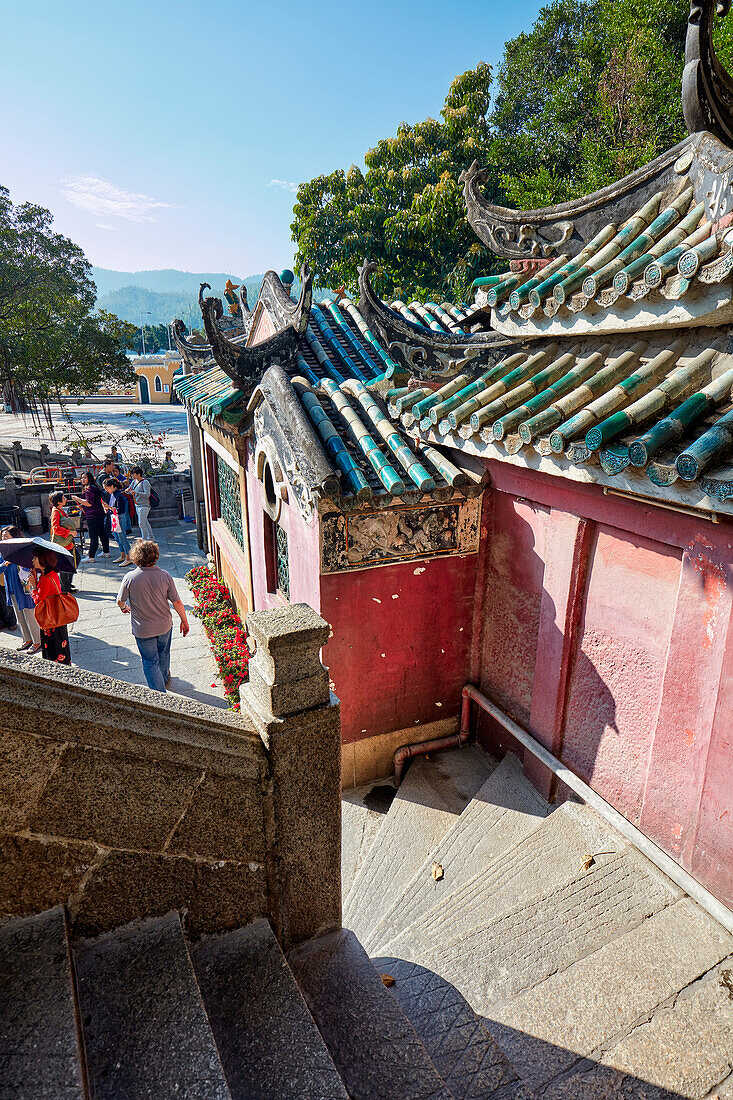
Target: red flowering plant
{"points": [[224, 629]]}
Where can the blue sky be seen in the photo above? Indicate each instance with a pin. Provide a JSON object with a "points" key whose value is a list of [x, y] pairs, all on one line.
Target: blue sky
{"points": [[171, 133]]}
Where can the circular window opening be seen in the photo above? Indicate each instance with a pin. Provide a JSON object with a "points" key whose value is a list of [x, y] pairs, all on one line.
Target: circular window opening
{"points": [[269, 484]]}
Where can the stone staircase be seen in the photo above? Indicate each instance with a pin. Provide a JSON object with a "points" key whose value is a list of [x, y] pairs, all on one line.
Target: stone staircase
{"points": [[494, 946]]}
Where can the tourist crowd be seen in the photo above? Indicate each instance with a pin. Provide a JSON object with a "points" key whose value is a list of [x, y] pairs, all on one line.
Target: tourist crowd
{"points": [[41, 594]]}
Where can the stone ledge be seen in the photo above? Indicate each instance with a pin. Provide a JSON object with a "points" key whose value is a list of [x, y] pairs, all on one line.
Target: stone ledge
{"points": [[105, 713]]}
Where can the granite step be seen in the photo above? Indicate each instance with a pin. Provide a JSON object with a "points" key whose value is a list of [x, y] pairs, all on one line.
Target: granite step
{"points": [[599, 1001], [545, 859], [375, 1047], [431, 797], [269, 1044], [469, 1060], [558, 926], [360, 823], [146, 1033], [39, 1049], [504, 809]]}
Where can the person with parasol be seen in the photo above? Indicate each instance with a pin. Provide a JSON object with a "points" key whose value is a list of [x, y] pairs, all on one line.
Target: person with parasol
{"points": [[54, 610]]}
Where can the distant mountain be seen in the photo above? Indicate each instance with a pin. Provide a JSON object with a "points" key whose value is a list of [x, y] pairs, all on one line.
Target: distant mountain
{"points": [[164, 294], [165, 281]]}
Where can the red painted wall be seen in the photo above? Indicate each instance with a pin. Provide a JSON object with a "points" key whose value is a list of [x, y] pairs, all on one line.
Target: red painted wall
{"points": [[606, 631], [400, 651]]}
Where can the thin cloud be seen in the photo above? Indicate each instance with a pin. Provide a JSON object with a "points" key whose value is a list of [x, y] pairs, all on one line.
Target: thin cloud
{"points": [[104, 199], [283, 185], [101, 225]]}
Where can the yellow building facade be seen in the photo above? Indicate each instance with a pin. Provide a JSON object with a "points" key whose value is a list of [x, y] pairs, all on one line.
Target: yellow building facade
{"points": [[155, 377]]}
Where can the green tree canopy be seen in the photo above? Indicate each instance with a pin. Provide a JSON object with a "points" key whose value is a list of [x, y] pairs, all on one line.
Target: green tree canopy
{"points": [[405, 211], [50, 340], [587, 95]]}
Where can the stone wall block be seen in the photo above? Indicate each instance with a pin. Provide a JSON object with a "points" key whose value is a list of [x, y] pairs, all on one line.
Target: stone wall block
{"points": [[26, 764], [37, 873], [223, 821], [112, 799], [211, 896], [286, 674]]}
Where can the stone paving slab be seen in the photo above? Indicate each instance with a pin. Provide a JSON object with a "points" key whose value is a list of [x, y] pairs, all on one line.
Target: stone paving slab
{"points": [[38, 1040], [468, 1059], [504, 809], [548, 1028], [375, 1048], [547, 858], [146, 1033], [522, 947], [429, 800], [101, 639], [269, 1044], [360, 825]]}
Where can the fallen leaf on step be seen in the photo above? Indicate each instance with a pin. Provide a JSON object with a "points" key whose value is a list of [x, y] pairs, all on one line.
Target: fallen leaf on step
{"points": [[589, 861], [387, 979], [437, 872]]}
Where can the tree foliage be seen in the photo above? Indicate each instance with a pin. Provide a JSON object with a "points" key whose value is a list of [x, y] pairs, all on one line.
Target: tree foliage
{"points": [[157, 339], [588, 94], [405, 211], [50, 340]]}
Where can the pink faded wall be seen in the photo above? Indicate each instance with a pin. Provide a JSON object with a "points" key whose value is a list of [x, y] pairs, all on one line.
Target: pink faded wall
{"points": [[606, 632], [303, 550], [400, 651]]}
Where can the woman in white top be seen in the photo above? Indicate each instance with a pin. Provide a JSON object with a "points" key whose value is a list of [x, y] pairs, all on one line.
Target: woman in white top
{"points": [[140, 489]]}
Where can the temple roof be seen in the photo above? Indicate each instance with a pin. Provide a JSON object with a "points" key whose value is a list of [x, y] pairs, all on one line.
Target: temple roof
{"points": [[602, 354], [331, 370]]}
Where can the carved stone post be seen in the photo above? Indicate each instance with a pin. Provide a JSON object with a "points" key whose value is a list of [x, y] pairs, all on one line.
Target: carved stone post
{"points": [[289, 701]]}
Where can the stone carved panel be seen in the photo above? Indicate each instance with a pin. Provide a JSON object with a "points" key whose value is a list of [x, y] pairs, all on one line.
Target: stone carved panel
{"points": [[361, 539]]}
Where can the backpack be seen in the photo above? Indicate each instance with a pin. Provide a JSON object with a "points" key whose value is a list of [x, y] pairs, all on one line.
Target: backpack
{"points": [[154, 498]]}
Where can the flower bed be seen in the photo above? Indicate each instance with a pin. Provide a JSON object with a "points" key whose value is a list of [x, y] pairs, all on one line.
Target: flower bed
{"points": [[224, 629]]}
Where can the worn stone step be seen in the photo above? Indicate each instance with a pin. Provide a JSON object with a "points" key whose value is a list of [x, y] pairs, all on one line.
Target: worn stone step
{"points": [[547, 1029], [465, 1055], [145, 1028], [539, 862], [39, 1052], [268, 1041], [431, 797], [360, 824], [375, 1048], [525, 945], [505, 808]]}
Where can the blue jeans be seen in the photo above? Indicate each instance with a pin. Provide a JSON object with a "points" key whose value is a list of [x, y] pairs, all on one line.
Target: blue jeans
{"points": [[156, 655], [122, 541]]}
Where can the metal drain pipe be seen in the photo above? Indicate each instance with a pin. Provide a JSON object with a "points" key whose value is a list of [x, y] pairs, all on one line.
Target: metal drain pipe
{"points": [[450, 741], [647, 847]]}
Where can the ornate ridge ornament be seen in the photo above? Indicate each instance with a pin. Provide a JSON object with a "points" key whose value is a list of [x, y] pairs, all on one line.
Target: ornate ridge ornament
{"points": [[244, 365], [707, 89], [552, 230], [197, 353], [428, 355]]}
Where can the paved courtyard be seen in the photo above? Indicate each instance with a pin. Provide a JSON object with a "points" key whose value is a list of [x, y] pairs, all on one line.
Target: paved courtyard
{"points": [[101, 639]]}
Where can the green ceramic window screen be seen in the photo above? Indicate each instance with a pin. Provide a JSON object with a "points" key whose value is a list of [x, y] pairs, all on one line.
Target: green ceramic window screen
{"points": [[230, 499], [282, 566]]}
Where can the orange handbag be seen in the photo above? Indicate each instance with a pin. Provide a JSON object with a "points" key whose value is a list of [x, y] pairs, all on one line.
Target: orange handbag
{"points": [[57, 610]]}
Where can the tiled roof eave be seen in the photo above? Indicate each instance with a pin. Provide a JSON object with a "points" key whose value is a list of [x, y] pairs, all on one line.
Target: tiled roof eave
{"points": [[694, 497]]}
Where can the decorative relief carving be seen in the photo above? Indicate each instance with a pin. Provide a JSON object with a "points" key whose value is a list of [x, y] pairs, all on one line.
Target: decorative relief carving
{"points": [[707, 89], [428, 355], [552, 230], [360, 539]]}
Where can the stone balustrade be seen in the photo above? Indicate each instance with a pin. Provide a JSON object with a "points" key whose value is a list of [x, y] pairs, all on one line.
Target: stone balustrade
{"points": [[120, 804]]}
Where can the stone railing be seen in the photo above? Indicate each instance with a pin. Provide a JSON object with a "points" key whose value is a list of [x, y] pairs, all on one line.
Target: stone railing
{"points": [[120, 804]]}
